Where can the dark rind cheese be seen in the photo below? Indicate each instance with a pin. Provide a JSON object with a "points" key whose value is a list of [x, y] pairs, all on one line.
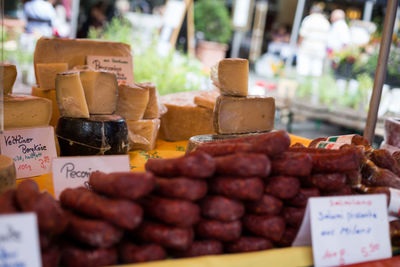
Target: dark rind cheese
{"points": [[97, 135]]}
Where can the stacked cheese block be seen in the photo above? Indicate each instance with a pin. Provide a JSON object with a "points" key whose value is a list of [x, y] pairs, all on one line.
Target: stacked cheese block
{"points": [[236, 112]]}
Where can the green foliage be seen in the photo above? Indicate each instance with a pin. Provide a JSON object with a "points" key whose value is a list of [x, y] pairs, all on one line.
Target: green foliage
{"points": [[211, 17], [119, 30]]}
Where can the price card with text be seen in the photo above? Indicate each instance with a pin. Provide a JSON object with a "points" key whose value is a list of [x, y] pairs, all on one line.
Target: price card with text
{"points": [[71, 172], [32, 149], [121, 66], [346, 229], [19, 240]]}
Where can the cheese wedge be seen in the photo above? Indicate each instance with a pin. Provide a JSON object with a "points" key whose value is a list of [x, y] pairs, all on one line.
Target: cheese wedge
{"points": [[231, 76], [26, 111], [101, 91], [183, 118], [143, 134], [206, 99], [132, 101], [244, 114], [10, 75], [154, 108], [46, 73], [71, 96], [74, 51], [8, 174], [50, 95]]}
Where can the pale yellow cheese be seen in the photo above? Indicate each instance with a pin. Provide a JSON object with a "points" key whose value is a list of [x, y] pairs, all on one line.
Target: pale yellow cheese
{"points": [[10, 75], [244, 114], [206, 99], [231, 76], [183, 118], [46, 73], [50, 95], [101, 91], [154, 108], [71, 96], [143, 134], [132, 101], [26, 111], [8, 174], [74, 51]]}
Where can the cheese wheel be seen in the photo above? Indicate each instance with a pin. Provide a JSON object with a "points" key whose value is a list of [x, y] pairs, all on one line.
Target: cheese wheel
{"points": [[8, 174]]}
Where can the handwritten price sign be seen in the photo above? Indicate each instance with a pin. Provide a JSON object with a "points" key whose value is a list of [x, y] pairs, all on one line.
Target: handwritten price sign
{"points": [[122, 67], [32, 149]]}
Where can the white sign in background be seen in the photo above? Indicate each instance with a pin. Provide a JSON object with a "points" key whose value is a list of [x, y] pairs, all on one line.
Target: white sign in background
{"points": [[32, 149], [346, 229], [19, 240], [72, 172]]}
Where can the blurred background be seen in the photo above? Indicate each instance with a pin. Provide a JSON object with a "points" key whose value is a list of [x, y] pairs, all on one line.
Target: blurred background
{"points": [[317, 58]]}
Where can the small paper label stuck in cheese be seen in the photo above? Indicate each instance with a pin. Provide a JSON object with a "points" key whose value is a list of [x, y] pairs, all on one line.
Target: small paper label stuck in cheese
{"points": [[121, 66]]}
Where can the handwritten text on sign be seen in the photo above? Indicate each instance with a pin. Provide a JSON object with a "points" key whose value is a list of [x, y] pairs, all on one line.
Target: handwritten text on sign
{"points": [[32, 149], [19, 240], [120, 66], [71, 172], [349, 229]]}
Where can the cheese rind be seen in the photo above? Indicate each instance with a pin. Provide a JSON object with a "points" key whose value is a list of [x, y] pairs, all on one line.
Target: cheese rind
{"points": [[46, 73], [71, 96], [26, 111], [132, 101], [244, 114], [143, 134], [183, 118], [206, 99], [101, 91], [50, 95], [154, 108], [231, 76], [8, 173], [10, 75]]}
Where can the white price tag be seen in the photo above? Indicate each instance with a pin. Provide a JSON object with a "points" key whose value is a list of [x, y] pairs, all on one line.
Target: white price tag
{"points": [[122, 67], [32, 149], [72, 172], [346, 229], [19, 240]]}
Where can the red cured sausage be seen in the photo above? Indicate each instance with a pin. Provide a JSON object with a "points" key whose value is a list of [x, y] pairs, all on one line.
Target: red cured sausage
{"points": [[292, 164], [95, 233], [194, 165], [329, 182], [8, 202], [282, 187], [201, 248], [122, 213], [293, 216], [130, 185], [248, 244], [222, 231], [222, 149], [222, 208], [268, 205], [271, 227], [176, 212], [51, 257], [166, 236], [45, 241], [338, 161], [250, 188], [345, 191], [26, 194], [131, 253], [301, 199], [382, 158], [288, 237], [181, 188], [79, 257], [244, 165]]}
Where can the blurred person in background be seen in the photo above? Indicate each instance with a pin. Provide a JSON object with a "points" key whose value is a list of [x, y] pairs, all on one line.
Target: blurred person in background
{"points": [[98, 15], [314, 32], [40, 16], [339, 35]]}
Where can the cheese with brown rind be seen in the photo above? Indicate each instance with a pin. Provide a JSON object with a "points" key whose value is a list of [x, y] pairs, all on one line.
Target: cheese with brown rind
{"points": [[10, 75], [143, 134], [50, 95], [183, 118], [8, 173], [132, 101], [206, 99], [46, 73], [101, 91], [74, 51], [244, 114], [70, 95], [26, 111], [231, 76], [154, 108]]}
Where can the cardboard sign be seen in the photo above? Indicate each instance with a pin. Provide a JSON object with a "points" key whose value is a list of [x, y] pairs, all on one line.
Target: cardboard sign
{"points": [[32, 149], [71, 172], [121, 66], [19, 240], [346, 229]]}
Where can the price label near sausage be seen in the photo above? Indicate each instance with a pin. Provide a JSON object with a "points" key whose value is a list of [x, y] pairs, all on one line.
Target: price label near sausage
{"points": [[19, 240], [346, 229], [71, 172], [32, 149]]}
